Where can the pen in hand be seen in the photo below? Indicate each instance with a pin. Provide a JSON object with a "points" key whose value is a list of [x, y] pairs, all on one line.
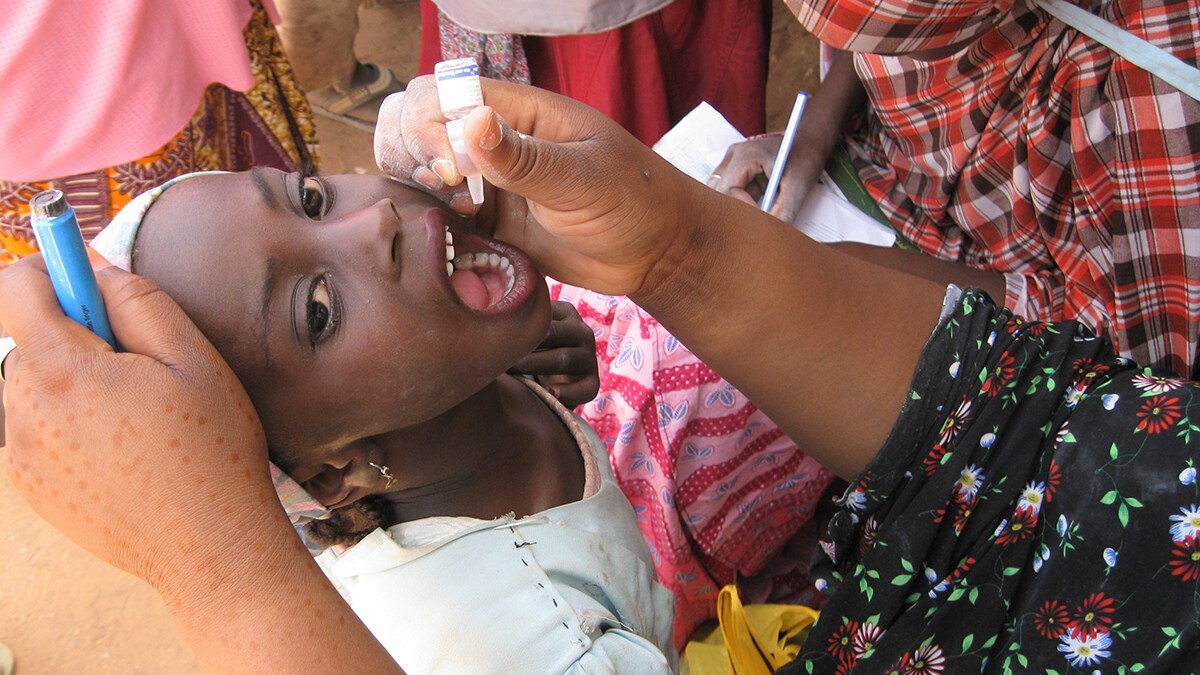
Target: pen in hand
{"points": [[785, 148]]}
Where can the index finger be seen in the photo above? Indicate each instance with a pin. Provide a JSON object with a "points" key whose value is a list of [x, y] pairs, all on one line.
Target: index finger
{"points": [[411, 128], [30, 313]]}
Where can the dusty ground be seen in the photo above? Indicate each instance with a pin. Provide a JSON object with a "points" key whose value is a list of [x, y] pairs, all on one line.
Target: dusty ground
{"points": [[61, 610]]}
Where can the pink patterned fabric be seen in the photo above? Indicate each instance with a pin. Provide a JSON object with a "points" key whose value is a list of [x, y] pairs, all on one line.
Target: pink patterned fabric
{"points": [[718, 489], [90, 84]]}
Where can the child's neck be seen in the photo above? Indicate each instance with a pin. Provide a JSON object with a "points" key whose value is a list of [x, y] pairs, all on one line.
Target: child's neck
{"points": [[504, 451]]}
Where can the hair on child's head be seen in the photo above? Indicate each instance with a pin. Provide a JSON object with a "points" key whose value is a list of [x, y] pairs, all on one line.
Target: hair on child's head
{"points": [[347, 525]]}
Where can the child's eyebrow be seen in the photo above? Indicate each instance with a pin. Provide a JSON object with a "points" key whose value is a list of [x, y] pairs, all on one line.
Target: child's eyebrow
{"points": [[268, 290], [260, 181]]}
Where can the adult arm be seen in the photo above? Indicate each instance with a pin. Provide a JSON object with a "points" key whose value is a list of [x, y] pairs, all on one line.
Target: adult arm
{"points": [[943, 272], [174, 485], [823, 342], [744, 171]]}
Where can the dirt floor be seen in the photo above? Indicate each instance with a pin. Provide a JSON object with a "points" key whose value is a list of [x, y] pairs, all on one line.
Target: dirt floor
{"points": [[64, 612]]}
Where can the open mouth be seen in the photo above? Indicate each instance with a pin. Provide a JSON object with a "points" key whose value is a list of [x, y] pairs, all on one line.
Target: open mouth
{"points": [[481, 275]]}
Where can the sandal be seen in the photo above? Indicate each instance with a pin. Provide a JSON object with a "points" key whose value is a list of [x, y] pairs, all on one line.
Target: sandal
{"points": [[358, 107]]}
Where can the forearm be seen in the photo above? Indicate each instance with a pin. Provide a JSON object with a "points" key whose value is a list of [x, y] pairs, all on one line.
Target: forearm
{"points": [[824, 343], [942, 272], [258, 603], [840, 97]]}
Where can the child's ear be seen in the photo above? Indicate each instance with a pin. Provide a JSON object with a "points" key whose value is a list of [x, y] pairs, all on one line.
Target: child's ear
{"points": [[329, 485], [342, 468]]}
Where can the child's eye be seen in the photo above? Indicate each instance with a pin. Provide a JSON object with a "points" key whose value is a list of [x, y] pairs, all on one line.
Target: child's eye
{"points": [[312, 197], [320, 317]]}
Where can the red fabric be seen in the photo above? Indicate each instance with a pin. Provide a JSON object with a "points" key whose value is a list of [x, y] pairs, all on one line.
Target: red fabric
{"points": [[1037, 152], [648, 74]]}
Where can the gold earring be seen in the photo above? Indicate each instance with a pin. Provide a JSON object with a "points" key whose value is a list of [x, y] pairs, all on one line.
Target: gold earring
{"points": [[385, 472]]}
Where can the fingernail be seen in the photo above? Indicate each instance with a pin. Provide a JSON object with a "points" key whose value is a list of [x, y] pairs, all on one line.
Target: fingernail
{"points": [[428, 179], [492, 132], [445, 169]]}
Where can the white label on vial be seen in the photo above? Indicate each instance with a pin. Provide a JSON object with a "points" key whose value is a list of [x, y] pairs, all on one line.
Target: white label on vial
{"points": [[458, 85]]}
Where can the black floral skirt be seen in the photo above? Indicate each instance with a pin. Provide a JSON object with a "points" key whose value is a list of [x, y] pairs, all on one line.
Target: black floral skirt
{"points": [[1035, 509]]}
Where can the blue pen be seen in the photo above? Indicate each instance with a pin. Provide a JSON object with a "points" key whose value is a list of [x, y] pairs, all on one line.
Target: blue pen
{"points": [[785, 149], [61, 243]]}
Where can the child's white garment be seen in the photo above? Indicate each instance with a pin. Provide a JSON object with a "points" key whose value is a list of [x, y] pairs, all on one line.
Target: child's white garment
{"points": [[568, 590]]}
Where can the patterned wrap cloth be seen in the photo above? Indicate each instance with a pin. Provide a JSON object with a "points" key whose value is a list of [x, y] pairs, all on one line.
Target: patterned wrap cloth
{"points": [[721, 495], [1035, 509], [500, 56], [269, 125], [1036, 152]]}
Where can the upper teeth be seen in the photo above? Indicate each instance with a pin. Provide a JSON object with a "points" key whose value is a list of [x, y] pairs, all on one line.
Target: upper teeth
{"points": [[478, 261]]}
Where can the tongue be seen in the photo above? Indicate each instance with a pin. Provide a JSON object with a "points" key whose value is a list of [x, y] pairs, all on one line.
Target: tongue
{"points": [[470, 289]]}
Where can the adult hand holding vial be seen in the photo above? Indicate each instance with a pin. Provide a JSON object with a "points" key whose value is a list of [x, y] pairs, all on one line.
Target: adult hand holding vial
{"points": [[459, 93]]}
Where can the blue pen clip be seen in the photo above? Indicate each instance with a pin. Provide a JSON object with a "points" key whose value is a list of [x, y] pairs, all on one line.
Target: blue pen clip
{"points": [[61, 244]]}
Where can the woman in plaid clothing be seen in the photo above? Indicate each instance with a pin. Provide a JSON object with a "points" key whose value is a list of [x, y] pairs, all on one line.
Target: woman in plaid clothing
{"points": [[1054, 174]]}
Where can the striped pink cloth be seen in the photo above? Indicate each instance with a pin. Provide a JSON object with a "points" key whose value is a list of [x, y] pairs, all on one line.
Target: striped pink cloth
{"points": [[718, 489]]}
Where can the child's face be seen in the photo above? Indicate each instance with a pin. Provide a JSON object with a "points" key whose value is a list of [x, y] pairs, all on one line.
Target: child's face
{"points": [[331, 301]]}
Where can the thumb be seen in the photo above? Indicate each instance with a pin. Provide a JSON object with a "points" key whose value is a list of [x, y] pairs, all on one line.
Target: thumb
{"points": [[531, 167], [30, 313], [146, 321]]}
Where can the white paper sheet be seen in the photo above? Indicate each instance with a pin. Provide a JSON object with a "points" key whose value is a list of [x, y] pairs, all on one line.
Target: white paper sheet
{"points": [[697, 144]]}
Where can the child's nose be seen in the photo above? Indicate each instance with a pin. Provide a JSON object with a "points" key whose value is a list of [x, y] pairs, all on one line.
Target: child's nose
{"points": [[375, 233]]}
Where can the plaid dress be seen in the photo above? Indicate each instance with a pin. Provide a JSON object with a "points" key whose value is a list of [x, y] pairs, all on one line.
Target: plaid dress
{"points": [[1035, 509], [1036, 152]]}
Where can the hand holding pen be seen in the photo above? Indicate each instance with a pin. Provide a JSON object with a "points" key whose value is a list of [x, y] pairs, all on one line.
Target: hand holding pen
{"points": [[770, 171], [67, 263]]}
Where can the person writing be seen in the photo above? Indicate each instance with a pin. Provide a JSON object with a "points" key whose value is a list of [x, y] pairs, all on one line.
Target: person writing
{"points": [[986, 409], [1020, 154]]}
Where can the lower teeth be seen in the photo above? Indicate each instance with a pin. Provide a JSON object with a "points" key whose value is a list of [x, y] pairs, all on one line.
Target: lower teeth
{"points": [[467, 261]]}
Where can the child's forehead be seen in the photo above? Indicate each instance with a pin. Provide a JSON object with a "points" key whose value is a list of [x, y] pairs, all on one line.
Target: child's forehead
{"points": [[182, 215]]}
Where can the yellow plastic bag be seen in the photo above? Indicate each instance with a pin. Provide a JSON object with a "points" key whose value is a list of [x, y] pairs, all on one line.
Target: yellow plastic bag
{"points": [[751, 639]]}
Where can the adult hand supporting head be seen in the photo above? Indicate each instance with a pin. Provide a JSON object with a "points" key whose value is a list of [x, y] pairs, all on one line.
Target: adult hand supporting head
{"points": [[154, 460], [565, 362], [116, 449], [595, 207]]}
